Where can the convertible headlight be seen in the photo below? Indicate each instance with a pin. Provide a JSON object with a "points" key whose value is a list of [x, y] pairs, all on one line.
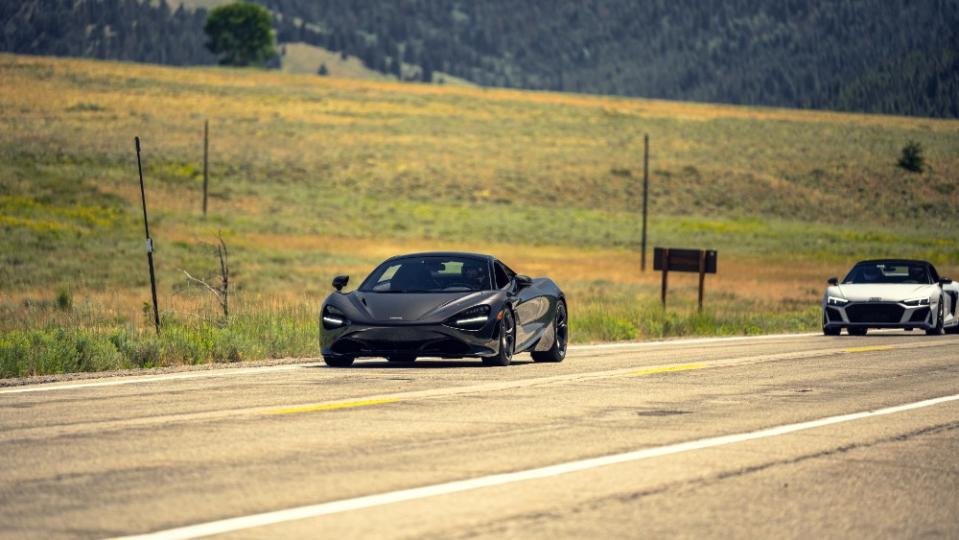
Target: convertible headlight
{"points": [[836, 301], [917, 302], [333, 318], [473, 318]]}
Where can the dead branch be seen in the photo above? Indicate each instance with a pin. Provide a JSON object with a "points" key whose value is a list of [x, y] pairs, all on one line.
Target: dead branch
{"points": [[201, 282], [223, 292]]}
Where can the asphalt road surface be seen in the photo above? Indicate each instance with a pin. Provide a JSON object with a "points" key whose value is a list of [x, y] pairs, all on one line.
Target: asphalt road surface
{"points": [[796, 437]]}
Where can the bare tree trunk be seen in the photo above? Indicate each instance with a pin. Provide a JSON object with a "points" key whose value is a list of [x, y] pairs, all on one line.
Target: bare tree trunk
{"points": [[224, 277], [222, 293]]}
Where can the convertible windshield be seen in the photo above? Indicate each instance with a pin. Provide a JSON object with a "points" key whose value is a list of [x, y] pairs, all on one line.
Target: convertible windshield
{"points": [[428, 275], [889, 272]]}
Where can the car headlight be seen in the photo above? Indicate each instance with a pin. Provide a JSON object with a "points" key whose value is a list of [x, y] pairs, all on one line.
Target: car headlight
{"points": [[333, 318], [917, 302], [473, 318], [836, 301]]}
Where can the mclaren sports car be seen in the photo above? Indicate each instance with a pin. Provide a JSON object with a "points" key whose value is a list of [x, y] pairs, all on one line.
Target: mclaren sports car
{"points": [[448, 305], [890, 293]]}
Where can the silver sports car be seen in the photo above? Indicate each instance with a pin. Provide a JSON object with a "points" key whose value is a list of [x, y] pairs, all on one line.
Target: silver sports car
{"points": [[890, 293]]}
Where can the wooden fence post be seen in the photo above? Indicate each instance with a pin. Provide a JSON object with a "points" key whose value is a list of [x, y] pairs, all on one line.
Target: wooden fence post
{"points": [[206, 152]]}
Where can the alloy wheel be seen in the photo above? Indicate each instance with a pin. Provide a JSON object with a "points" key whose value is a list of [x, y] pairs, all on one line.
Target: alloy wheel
{"points": [[562, 328], [508, 337]]}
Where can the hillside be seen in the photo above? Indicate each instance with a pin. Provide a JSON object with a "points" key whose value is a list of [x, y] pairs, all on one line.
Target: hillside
{"points": [[314, 176], [899, 56], [881, 56]]}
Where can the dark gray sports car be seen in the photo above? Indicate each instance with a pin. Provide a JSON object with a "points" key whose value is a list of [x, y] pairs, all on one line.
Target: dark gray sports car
{"points": [[448, 305]]}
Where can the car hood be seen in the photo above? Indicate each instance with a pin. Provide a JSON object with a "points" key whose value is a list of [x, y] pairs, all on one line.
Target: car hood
{"points": [[885, 292], [406, 308]]}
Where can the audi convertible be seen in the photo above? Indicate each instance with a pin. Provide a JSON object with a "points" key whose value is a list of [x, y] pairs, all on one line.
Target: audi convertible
{"points": [[890, 293], [447, 305]]}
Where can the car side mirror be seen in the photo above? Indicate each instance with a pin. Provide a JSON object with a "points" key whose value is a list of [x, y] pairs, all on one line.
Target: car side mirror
{"points": [[945, 281], [833, 281], [523, 281], [340, 281]]}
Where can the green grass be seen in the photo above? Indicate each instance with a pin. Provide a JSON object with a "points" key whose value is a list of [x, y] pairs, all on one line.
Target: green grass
{"points": [[68, 346], [66, 342]]}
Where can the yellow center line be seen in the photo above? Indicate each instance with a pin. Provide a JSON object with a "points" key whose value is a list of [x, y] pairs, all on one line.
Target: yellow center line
{"points": [[651, 371], [869, 349], [330, 406]]}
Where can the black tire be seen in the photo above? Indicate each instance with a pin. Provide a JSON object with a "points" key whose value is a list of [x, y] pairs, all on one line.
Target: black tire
{"points": [[401, 359], [834, 331], [857, 331], [507, 341], [938, 330], [338, 361], [557, 352]]}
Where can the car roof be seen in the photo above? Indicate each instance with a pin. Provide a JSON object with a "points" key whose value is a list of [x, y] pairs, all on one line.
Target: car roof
{"points": [[914, 261], [463, 254]]}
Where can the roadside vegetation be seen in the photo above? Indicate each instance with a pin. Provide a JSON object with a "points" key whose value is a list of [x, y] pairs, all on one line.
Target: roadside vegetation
{"points": [[312, 177]]}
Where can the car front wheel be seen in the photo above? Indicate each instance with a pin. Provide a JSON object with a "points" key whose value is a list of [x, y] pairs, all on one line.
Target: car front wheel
{"points": [[827, 331], [938, 330], [507, 340], [338, 361]]}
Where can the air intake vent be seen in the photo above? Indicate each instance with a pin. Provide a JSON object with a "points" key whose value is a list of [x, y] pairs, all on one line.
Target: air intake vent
{"points": [[920, 315]]}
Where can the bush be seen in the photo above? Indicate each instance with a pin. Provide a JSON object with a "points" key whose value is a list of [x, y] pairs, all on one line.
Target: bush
{"points": [[64, 300], [911, 158]]}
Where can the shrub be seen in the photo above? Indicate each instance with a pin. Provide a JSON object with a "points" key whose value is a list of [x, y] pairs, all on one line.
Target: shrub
{"points": [[64, 300], [911, 158]]}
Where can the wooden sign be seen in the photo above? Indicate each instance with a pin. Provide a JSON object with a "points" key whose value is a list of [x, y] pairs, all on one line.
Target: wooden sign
{"points": [[702, 261]]}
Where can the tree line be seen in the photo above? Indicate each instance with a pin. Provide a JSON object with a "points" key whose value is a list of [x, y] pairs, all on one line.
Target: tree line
{"points": [[884, 56], [107, 29]]}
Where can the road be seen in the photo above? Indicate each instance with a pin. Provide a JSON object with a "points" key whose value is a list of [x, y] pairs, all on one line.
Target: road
{"points": [[783, 436]]}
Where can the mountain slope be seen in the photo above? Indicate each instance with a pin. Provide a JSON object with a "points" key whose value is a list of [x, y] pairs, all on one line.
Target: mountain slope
{"points": [[891, 56]]}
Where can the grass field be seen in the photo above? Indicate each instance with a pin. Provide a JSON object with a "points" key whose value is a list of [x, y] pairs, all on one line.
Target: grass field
{"points": [[315, 176]]}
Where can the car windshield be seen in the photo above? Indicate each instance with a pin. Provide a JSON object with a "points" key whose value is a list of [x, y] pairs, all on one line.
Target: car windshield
{"points": [[889, 272], [429, 274]]}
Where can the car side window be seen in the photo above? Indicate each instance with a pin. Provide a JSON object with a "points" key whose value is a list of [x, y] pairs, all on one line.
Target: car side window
{"points": [[502, 278]]}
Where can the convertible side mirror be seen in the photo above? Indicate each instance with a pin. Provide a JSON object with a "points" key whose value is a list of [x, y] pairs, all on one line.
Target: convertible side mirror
{"points": [[833, 281], [340, 281], [945, 281], [523, 281]]}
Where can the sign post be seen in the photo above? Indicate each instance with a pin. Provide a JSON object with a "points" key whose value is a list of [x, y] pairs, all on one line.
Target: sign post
{"points": [[701, 261], [206, 152], [642, 264]]}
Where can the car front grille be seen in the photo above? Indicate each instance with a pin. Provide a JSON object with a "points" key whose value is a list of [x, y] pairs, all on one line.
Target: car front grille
{"points": [[874, 313]]}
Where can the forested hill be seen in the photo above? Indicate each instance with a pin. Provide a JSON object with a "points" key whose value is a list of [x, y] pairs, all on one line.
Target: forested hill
{"points": [[106, 29], [888, 56]]}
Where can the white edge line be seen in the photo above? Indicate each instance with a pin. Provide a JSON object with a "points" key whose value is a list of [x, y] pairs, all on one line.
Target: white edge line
{"points": [[141, 379], [226, 372], [369, 501]]}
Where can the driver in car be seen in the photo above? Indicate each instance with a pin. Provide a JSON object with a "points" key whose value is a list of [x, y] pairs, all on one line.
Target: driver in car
{"points": [[475, 276]]}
